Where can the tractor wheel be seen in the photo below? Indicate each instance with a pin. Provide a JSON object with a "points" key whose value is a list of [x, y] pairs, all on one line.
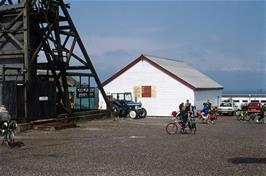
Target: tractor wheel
{"points": [[143, 113], [132, 114]]}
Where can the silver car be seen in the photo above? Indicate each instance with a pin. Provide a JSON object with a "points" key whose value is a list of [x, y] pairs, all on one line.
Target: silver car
{"points": [[227, 108]]}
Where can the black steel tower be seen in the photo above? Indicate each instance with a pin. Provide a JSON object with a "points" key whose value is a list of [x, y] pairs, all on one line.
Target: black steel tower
{"points": [[39, 43]]}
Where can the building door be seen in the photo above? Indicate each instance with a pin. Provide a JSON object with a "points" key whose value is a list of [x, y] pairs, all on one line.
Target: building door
{"points": [[20, 101], [13, 99]]}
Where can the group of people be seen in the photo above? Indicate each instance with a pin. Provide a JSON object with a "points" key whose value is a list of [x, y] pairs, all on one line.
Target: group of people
{"points": [[186, 110], [244, 110]]}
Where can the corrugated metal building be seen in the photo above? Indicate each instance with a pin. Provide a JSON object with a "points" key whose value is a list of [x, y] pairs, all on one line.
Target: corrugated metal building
{"points": [[162, 84]]}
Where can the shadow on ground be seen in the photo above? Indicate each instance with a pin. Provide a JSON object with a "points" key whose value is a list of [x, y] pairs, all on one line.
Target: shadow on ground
{"points": [[17, 144], [247, 160]]}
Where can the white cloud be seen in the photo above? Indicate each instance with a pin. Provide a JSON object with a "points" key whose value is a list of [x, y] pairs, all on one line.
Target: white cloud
{"points": [[114, 52], [99, 45], [215, 59]]}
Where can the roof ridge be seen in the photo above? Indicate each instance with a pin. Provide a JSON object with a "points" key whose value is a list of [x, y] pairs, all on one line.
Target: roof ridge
{"points": [[186, 79], [147, 55]]}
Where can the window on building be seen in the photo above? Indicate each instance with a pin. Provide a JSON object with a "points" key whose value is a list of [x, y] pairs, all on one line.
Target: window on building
{"points": [[255, 101], [236, 101], [146, 91], [245, 101], [263, 101]]}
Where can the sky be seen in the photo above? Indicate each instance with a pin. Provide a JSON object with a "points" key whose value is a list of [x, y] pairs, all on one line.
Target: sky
{"points": [[223, 39]]}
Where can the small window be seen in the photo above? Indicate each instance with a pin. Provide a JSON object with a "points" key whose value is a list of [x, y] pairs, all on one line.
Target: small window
{"points": [[121, 96], [146, 91], [255, 101], [263, 101], [225, 104], [245, 101], [236, 101], [128, 97]]}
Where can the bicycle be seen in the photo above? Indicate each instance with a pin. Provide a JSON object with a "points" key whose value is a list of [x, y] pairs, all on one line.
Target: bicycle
{"points": [[242, 115], [247, 116], [252, 116], [212, 116], [7, 131], [172, 127]]}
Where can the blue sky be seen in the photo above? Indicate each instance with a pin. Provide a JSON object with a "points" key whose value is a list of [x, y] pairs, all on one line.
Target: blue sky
{"points": [[223, 39]]}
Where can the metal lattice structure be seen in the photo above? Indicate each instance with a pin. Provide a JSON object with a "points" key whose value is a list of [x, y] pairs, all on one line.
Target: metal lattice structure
{"points": [[40, 35]]}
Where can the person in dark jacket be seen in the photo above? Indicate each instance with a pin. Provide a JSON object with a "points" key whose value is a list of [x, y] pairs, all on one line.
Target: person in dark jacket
{"points": [[188, 106], [183, 114], [209, 104], [181, 107]]}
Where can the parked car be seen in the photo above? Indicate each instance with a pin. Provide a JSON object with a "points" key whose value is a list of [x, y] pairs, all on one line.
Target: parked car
{"points": [[254, 107], [227, 108], [123, 106]]}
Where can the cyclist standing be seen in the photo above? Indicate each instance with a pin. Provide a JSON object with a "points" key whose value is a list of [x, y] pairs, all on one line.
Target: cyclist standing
{"points": [[188, 106], [209, 104], [182, 114]]}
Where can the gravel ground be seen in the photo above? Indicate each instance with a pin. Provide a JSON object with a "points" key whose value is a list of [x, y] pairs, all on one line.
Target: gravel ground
{"points": [[139, 147]]}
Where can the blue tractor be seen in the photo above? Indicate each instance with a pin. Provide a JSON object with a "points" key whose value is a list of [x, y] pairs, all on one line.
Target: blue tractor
{"points": [[124, 106]]}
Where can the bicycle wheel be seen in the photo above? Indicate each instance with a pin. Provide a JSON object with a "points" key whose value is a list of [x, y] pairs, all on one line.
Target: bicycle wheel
{"points": [[246, 117], [171, 128], [193, 130], [9, 138], [253, 116]]}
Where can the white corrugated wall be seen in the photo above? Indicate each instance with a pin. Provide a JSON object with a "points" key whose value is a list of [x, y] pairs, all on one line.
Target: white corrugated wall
{"points": [[202, 96]]}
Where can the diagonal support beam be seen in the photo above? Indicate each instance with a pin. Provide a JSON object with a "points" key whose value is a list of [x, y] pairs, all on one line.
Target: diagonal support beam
{"points": [[84, 52], [16, 41], [5, 30], [71, 49]]}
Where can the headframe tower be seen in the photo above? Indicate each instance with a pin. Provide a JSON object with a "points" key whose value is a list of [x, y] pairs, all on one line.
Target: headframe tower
{"points": [[40, 43]]}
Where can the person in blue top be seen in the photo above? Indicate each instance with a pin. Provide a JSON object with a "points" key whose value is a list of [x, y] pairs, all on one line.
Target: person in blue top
{"points": [[205, 111]]}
